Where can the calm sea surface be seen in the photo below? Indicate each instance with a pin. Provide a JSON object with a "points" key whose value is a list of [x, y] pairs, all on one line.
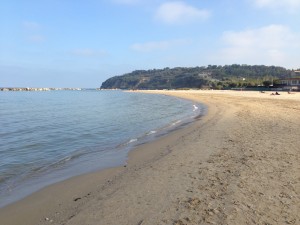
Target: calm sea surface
{"points": [[46, 137]]}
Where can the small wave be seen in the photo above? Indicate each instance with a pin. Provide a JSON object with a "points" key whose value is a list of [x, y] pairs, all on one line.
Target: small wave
{"points": [[55, 164], [60, 162], [176, 122], [151, 132], [68, 159], [195, 108], [132, 140]]}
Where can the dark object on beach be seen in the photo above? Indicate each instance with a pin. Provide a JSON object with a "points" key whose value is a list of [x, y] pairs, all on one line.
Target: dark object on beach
{"points": [[276, 93], [262, 92], [76, 199]]}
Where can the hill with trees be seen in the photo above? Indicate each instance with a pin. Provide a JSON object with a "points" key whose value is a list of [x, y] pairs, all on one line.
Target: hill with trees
{"points": [[211, 76]]}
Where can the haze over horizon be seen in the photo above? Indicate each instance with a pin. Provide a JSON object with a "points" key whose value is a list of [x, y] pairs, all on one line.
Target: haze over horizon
{"points": [[64, 43]]}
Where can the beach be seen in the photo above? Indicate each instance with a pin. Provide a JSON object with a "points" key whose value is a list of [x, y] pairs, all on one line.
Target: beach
{"points": [[238, 164]]}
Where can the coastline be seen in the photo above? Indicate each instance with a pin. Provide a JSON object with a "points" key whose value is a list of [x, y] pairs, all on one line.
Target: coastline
{"points": [[237, 164], [114, 147]]}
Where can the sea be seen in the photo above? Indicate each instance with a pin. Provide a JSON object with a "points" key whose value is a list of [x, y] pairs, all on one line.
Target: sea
{"points": [[50, 136]]}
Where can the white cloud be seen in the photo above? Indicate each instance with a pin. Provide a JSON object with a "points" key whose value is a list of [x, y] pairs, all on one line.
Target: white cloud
{"points": [[290, 5], [158, 45], [274, 44], [87, 52], [180, 13]]}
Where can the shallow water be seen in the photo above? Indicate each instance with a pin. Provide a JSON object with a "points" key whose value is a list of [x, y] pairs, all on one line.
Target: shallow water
{"points": [[50, 136]]}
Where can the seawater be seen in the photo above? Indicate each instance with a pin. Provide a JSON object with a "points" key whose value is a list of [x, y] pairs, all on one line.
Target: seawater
{"points": [[46, 137]]}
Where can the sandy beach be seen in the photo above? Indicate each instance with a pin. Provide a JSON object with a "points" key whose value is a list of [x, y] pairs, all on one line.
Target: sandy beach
{"points": [[238, 164]]}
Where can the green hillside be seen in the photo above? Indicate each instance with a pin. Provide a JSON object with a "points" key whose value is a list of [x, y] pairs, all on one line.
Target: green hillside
{"points": [[212, 76]]}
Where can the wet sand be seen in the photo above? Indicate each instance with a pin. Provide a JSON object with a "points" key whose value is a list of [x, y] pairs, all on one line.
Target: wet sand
{"points": [[239, 164]]}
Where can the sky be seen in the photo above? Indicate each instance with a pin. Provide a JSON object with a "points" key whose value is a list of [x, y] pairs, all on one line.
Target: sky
{"points": [[81, 43]]}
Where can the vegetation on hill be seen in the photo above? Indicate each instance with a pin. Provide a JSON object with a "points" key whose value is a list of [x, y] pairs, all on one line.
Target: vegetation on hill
{"points": [[212, 76]]}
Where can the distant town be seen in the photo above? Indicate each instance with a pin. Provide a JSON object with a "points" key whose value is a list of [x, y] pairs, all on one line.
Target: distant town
{"points": [[43, 89]]}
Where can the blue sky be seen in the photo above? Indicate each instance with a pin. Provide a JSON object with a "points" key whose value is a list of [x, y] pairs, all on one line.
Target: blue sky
{"points": [[81, 43]]}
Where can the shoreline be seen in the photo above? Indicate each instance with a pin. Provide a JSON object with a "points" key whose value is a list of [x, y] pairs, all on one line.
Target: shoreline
{"points": [[36, 207], [209, 172], [47, 179]]}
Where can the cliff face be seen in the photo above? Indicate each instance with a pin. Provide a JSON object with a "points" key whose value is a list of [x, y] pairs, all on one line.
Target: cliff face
{"points": [[196, 77]]}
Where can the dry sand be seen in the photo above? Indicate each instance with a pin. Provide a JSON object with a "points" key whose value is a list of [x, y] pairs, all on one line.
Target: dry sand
{"points": [[239, 164]]}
